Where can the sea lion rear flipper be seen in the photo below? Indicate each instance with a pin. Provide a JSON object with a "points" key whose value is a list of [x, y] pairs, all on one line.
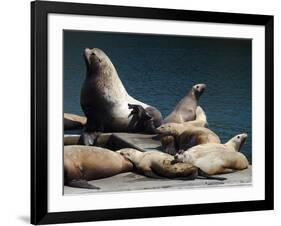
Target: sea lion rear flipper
{"points": [[81, 184], [203, 175]]}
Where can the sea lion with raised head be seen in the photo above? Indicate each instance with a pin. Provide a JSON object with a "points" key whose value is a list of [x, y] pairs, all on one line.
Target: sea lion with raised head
{"points": [[104, 99], [84, 163], [159, 165], [185, 110], [216, 158]]}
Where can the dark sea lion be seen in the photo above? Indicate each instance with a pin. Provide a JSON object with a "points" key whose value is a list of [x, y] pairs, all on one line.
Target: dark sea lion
{"points": [[84, 163], [104, 99], [185, 110], [144, 119], [216, 158], [156, 164]]}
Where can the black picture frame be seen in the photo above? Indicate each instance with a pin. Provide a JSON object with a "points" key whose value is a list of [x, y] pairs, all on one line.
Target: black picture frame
{"points": [[39, 112]]}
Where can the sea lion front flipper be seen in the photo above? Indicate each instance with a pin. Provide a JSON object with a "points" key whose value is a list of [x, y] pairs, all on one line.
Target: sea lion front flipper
{"points": [[81, 184], [152, 175], [203, 175], [88, 139]]}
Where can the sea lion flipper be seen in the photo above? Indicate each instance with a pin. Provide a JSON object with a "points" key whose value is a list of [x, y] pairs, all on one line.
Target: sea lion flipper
{"points": [[152, 175], [203, 175], [88, 139], [81, 184]]}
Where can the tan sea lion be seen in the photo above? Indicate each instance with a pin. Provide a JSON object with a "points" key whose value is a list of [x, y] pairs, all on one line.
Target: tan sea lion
{"points": [[171, 146], [216, 158], [200, 118], [103, 98], [157, 164], [84, 163], [185, 110], [186, 135]]}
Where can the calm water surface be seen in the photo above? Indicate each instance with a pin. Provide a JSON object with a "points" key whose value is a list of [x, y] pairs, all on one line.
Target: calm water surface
{"points": [[160, 70]]}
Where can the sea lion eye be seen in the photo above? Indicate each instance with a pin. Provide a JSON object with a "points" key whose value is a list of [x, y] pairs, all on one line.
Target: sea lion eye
{"points": [[197, 87], [238, 137]]}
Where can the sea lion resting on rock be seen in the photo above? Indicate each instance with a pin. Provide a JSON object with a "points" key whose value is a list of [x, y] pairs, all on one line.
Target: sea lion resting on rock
{"points": [[169, 144], [185, 110], [72, 121], [216, 158], [185, 135], [84, 163], [157, 164], [104, 99]]}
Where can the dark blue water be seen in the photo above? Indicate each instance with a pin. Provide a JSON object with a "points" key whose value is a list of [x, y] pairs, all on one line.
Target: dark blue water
{"points": [[160, 70]]}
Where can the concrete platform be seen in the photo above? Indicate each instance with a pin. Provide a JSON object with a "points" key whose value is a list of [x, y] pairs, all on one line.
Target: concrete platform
{"points": [[135, 182]]}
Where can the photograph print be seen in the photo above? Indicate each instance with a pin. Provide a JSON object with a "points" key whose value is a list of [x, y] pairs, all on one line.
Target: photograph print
{"points": [[147, 112]]}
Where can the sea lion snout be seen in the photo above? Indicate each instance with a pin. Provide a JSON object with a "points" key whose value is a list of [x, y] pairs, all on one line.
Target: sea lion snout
{"points": [[199, 88], [178, 158], [93, 56], [242, 138]]}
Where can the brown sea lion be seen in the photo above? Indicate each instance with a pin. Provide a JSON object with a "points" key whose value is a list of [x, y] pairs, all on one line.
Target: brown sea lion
{"points": [[186, 135], [170, 145], [157, 164], [84, 163], [216, 158], [103, 98], [185, 110]]}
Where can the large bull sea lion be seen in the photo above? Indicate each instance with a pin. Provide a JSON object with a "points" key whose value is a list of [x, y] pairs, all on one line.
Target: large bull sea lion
{"points": [[104, 99]]}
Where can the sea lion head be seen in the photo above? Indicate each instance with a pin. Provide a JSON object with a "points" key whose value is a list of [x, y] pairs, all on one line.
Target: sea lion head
{"points": [[167, 129], [130, 154], [237, 141], [96, 60], [182, 157], [198, 89]]}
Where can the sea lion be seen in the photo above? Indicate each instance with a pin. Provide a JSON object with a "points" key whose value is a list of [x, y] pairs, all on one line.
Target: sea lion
{"points": [[186, 135], [216, 158], [169, 144], [157, 164], [72, 121], [200, 118], [104, 99], [185, 110], [84, 163], [144, 119]]}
